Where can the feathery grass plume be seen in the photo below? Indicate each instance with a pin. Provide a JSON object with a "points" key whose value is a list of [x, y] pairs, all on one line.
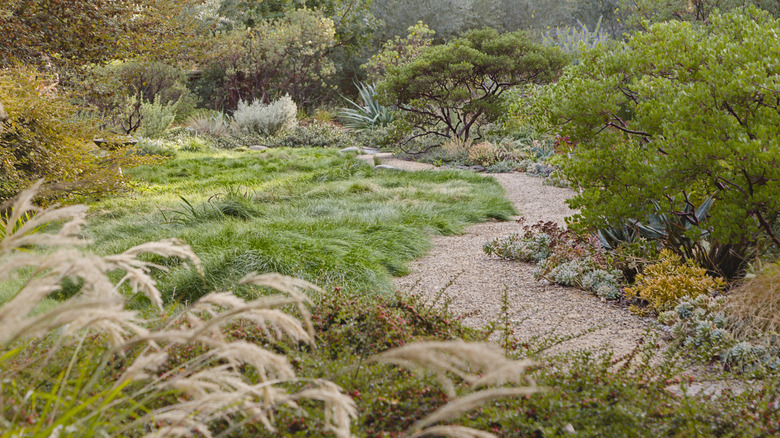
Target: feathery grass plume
{"points": [[137, 271], [340, 409], [466, 403], [214, 385], [19, 230], [478, 364], [291, 286], [452, 432], [138, 369]]}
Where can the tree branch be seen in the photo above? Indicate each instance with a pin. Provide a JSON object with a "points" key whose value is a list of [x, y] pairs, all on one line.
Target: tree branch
{"points": [[767, 228]]}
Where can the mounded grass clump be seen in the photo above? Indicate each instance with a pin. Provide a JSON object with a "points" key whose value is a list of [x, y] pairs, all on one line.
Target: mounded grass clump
{"points": [[309, 213], [753, 307]]}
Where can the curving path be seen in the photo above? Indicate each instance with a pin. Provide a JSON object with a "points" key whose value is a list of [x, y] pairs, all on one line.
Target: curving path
{"points": [[536, 308]]}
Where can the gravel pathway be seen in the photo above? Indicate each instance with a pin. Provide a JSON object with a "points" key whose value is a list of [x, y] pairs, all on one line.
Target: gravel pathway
{"points": [[537, 308]]}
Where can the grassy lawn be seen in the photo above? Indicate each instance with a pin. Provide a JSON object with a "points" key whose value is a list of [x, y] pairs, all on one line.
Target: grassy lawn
{"points": [[311, 213]]}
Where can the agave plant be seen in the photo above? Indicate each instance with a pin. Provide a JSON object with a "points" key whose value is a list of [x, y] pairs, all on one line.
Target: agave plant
{"points": [[369, 115], [671, 230]]}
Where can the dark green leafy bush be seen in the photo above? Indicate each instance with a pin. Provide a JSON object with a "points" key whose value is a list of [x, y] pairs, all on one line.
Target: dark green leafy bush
{"points": [[681, 113]]}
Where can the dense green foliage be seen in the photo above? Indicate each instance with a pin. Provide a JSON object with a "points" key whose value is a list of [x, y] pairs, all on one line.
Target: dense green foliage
{"points": [[451, 88], [398, 51], [639, 12], [677, 114]]}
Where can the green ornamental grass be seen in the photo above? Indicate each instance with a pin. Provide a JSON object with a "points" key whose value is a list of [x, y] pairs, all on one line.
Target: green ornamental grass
{"points": [[310, 213]]}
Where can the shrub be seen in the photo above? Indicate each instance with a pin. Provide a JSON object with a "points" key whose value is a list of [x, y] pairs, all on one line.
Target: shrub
{"points": [[75, 33], [270, 119], [271, 59], [107, 89], [450, 89], [156, 117], [45, 137], [638, 13], [664, 283], [483, 153], [676, 116]]}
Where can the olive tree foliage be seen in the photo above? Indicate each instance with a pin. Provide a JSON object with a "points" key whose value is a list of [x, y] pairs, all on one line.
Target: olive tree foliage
{"points": [[637, 12], [449, 18], [679, 113], [451, 88]]}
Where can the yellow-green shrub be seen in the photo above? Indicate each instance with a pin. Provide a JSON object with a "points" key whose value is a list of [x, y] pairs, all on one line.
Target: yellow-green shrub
{"points": [[44, 136], [664, 283]]}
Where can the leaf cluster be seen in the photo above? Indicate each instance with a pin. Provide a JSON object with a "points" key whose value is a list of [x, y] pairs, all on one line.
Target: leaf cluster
{"points": [[284, 56], [67, 33]]}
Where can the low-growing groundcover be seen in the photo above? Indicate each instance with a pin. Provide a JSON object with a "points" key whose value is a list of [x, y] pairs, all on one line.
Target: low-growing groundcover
{"points": [[310, 213]]}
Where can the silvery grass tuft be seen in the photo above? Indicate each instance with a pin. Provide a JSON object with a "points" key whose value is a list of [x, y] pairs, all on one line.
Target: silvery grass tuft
{"points": [[88, 399], [269, 119]]}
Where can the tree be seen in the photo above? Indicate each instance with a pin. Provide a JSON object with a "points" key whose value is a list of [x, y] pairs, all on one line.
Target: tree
{"points": [[78, 32], [451, 88], [288, 55], [399, 51], [44, 136], [679, 113]]}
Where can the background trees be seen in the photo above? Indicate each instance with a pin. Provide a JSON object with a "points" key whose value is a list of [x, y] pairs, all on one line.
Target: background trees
{"points": [[77, 32]]}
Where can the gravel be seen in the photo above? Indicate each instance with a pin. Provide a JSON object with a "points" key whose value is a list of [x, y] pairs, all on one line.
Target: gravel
{"points": [[537, 308]]}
